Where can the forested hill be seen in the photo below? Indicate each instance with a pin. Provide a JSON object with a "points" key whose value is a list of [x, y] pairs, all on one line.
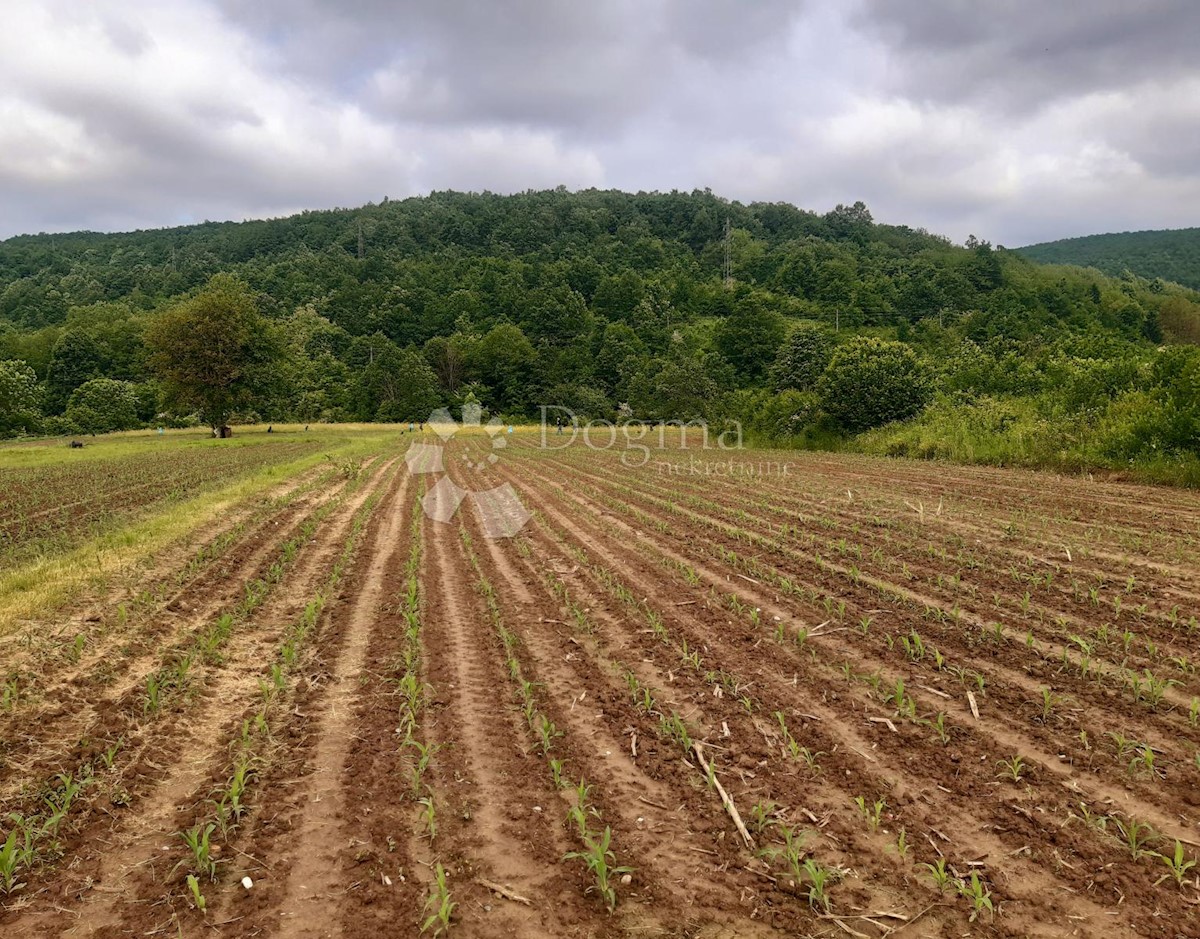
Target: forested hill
{"points": [[409, 268], [1172, 254], [808, 327]]}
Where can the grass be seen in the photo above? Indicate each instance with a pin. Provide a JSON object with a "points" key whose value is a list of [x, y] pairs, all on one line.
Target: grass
{"points": [[42, 585]]}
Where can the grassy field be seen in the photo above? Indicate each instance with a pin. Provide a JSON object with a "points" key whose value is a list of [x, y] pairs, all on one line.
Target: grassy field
{"points": [[706, 693]]}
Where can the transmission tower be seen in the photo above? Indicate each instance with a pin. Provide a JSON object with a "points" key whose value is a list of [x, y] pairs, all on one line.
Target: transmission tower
{"points": [[727, 258]]}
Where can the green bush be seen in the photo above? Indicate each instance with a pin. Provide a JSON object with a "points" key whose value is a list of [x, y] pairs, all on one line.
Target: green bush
{"points": [[102, 405], [871, 381]]}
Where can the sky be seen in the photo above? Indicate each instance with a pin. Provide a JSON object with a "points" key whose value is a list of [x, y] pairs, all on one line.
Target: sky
{"points": [[1014, 120]]}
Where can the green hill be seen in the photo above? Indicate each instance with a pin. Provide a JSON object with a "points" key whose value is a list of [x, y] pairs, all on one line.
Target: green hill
{"points": [[1172, 254], [808, 328]]}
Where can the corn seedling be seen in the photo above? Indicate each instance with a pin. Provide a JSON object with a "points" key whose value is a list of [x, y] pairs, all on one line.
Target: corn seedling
{"points": [[429, 817], [1136, 836], [1012, 768], [582, 809], [819, 879], [871, 813], [12, 856], [674, 728], [762, 815], [425, 754], [556, 770], [792, 851], [9, 694], [197, 896], [198, 841], [599, 858], [978, 894], [153, 699], [939, 728], [1049, 702], [438, 905], [547, 734], [110, 754], [1177, 866], [233, 806], [939, 875]]}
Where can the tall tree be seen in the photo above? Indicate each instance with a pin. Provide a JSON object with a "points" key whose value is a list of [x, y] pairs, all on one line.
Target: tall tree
{"points": [[77, 357], [214, 352], [749, 337], [803, 357], [19, 399]]}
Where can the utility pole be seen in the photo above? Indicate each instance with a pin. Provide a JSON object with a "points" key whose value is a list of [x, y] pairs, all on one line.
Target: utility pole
{"points": [[727, 259]]}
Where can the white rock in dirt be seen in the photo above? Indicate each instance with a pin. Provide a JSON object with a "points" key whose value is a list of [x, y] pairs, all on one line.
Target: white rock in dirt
{"points": [[626, 879], [247, 882]]}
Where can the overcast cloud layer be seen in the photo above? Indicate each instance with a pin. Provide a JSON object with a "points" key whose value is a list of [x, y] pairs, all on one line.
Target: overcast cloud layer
{"points": [[1016, 120]]}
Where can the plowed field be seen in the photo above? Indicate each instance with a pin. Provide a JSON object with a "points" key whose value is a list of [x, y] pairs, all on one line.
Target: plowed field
{"points": [[723, 693]]}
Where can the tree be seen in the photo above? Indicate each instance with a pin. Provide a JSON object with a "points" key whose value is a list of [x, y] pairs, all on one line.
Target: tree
{"points": [[504, 360], [214, 352], [19, 399], [396, 385], [749, 337], [871, 381], [803, 357], [617, 359], [556, 316], [76, 358], [852, 222], [680, 389], [102, 405], [447, 358]]}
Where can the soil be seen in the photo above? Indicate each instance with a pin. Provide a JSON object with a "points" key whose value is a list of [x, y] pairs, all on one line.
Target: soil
{"points": [[887, 669]]}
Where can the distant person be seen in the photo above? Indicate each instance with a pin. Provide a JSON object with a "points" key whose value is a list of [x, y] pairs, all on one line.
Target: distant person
{"points": [[271, 429], [559, 421]]}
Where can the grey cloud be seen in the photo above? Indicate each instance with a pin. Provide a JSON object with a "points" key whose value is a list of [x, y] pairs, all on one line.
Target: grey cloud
{"points": [[1022, 54], [1017, 121], [534, 62]]}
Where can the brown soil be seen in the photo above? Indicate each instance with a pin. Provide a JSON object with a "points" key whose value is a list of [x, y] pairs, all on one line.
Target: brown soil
{"points": [[887, 631]]}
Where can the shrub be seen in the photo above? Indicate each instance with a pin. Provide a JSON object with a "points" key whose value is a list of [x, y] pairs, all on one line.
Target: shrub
{"points": [[871, 381], [102, 405]]}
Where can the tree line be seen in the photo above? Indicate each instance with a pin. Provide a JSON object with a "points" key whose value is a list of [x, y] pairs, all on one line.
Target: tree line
{"points": [[609, 303]]}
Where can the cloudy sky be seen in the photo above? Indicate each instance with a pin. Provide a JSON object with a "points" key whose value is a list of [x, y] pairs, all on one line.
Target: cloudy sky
{"points": [[1016, 120]]}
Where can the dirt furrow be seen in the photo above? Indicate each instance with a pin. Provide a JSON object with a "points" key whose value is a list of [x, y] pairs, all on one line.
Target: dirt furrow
{"points": [[123, 860], [981, 839]]}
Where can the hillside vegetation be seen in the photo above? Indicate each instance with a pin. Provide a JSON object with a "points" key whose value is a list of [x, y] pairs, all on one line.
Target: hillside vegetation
{"points": [[1173, 254], [831, 330]]}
